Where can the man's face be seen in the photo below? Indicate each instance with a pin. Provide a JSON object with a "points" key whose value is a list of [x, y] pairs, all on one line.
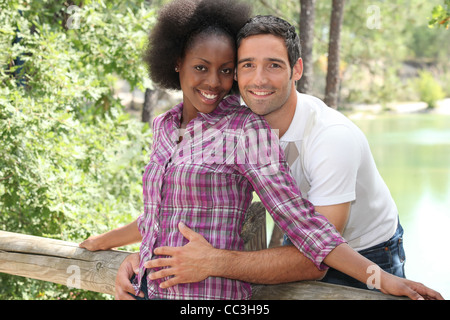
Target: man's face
{"points": [[264, 75]]}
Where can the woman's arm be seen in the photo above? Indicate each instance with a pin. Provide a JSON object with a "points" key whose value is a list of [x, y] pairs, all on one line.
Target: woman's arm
{"points": [[350, 262], [118, 237]]}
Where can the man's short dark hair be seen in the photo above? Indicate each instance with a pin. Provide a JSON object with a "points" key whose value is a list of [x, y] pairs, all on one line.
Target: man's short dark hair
{"points": [[275, 26]]}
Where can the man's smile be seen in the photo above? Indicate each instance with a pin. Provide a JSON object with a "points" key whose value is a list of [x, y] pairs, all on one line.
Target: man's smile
{"points": [[261, 93]]}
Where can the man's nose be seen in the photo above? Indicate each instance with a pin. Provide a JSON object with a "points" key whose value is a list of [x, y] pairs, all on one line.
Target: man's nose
{"points": [[260, 77]]}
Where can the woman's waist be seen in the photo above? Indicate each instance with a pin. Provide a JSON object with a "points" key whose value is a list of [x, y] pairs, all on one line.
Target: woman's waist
{"points": [[212, 288]]}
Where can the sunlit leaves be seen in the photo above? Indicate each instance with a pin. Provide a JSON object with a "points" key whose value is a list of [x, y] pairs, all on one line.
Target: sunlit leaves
{"points": [[441, 15]]}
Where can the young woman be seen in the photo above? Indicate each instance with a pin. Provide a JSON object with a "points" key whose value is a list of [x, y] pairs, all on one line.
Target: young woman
{"points": [[209, 155]]}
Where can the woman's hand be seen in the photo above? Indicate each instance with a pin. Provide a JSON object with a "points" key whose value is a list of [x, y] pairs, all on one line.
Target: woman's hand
{"points": [[390, 284], [92, 243]]}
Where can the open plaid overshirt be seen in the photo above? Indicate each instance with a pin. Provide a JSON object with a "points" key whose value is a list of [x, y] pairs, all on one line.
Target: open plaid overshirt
{"points": [[207, 181]]}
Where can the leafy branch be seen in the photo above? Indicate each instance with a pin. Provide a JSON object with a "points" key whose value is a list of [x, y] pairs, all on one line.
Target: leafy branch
{"points": [[440, 16]]}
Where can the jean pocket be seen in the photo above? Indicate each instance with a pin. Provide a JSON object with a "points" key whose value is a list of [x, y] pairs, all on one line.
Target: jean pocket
{"points": [[382, 256]]}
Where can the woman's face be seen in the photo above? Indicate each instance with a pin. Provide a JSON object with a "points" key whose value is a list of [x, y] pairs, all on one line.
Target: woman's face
{"points": [[206, 74]]}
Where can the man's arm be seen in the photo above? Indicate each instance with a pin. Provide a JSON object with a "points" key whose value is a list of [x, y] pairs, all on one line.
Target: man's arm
{"points": [[198, 260], [270, 266], [277, 265]]}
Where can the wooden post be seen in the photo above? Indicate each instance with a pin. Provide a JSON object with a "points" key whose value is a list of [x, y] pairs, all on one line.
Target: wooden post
{"points": [[254, 228]]}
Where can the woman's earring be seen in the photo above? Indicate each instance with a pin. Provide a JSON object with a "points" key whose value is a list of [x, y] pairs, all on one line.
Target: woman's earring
{"points": [[176, 69]]}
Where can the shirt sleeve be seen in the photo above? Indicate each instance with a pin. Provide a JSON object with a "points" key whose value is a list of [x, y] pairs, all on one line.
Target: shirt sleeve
{"points": [[267, 171]]}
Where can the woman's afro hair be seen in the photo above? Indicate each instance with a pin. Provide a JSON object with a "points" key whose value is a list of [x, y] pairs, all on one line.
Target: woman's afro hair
{"points": [[177, 25]]}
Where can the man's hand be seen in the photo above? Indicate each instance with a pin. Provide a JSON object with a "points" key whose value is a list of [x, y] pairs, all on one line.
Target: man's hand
{"points": [[127, 269], [187, 264]]}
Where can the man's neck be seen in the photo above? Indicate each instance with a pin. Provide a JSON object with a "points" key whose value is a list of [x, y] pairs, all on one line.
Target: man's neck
{"points": [[282, 118]]}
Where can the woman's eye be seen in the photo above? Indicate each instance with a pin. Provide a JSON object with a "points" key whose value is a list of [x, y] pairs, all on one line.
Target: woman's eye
{"points": [[227, 71], [200, 68]]}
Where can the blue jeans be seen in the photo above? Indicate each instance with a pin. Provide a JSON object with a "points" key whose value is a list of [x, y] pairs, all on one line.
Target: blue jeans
{"points": [[143, 288], [389, 256]]}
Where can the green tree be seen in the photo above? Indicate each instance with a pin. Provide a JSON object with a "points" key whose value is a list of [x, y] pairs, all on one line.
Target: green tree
{"points": [[71, 158], [430, 91]]}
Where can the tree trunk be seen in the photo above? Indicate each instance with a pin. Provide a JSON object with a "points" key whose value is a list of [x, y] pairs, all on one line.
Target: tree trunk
{"points": [[150, 101], [307, 17], [333, 72]]}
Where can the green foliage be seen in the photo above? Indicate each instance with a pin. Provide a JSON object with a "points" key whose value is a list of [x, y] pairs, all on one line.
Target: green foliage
{"points": [[430, 91], [71, 159], [377, 37], [440, 16]]}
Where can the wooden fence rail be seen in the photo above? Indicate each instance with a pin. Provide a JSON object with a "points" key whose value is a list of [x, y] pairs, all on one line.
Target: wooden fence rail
{"points": [[59, 262], [67, 264]]}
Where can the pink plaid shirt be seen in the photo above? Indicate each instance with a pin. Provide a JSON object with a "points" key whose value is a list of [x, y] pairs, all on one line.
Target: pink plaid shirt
{"points": [[207, 181]]}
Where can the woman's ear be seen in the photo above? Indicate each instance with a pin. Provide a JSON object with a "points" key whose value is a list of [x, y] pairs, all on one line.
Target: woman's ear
{"points": [[235, 74], [178, 64]]}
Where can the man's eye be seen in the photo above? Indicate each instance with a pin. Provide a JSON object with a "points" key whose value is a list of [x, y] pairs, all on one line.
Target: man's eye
{"points": [[275, 65]]}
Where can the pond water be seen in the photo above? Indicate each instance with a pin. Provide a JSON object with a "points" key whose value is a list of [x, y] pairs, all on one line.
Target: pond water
{"points": [[412, 152]]}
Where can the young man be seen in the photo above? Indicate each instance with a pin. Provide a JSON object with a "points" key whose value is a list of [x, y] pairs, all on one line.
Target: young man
{"points": [[329, 157]]}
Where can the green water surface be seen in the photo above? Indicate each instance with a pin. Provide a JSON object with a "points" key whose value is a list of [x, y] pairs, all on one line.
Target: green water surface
{"points": [[412, 152]]}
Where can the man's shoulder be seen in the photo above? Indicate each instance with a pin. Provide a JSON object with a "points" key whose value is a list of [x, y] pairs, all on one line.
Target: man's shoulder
{"points": [[307, 98], [309, 102], [323, 114]]}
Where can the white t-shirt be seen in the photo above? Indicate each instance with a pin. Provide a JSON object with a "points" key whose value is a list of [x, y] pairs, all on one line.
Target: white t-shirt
{"points": [[331, 161]]}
